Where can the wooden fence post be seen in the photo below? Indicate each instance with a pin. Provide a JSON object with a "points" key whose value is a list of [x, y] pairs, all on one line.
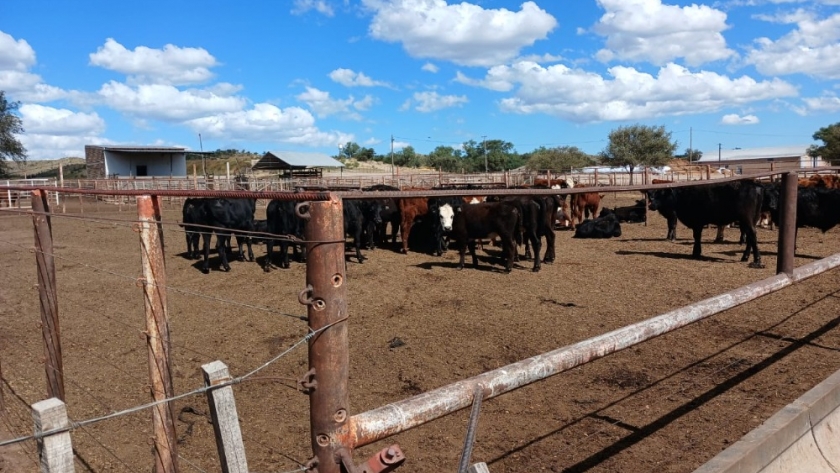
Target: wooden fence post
{"points": [[157, 332], [48, 294], [55, 451], [225, 420], [787, 224]]}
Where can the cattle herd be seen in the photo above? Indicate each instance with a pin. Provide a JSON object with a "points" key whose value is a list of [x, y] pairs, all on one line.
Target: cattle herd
{"points": [[433, 224]]}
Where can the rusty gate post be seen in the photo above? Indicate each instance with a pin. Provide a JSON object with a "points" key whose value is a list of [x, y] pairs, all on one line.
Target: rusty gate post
{"points": [[48, 294], [157, 332], [329, 349], [787, 224]]}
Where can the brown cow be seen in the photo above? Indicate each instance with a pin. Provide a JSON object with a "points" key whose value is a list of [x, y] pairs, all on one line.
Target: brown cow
{"points": [[584, 205], [410, 208]]}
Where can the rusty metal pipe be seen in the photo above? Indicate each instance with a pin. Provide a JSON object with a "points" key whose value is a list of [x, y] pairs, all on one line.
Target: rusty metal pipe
{"points": [[48, 295], [329, 349], [787, 224], [377, 424]]}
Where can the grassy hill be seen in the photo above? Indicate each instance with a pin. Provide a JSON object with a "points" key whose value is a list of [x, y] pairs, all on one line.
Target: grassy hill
{"points": [[74, 168]]}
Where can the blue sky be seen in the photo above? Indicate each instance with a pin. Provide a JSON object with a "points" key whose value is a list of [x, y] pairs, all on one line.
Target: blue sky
{"points": [[307, 75]]}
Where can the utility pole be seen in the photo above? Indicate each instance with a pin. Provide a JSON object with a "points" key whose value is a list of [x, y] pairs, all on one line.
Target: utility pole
{"points": [[201, 147], [392, 156], [719, 145], [484, 144], [690, 144]]}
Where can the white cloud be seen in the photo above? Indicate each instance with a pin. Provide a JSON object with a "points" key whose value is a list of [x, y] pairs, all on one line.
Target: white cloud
{"points": [[40, 119], [53, 133], [266, 122], [303, 6], [16, 58], [320, 102], [582, 96], [649, 31], [813, 48], [735, 119], [171, 65], [168, 103], [429, 67], [350, 78], [462, 33], [432, 101], [825, 104], [15, 55]]}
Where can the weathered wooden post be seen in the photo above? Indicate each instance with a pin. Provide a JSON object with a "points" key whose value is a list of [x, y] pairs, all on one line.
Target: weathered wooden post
{"points": [[48, 294], [225, 419], [596, 176], [54, 451], [787, 225], [157, 332], [708, 172], [329, 349]]}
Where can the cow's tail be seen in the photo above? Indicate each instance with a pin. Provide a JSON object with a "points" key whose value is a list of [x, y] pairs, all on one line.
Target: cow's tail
{"points": [[517, 235]]}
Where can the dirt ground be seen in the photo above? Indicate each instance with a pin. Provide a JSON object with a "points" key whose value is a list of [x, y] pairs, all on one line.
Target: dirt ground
{"points": [[416, 323]]}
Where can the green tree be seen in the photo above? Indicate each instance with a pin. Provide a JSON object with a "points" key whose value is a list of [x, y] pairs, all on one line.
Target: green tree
{"points": [[10, 125], [830, 150], [350, 150], [492, 155], [407, 157], [446, 158], [691, 155], [638, 145], [561, 159]]}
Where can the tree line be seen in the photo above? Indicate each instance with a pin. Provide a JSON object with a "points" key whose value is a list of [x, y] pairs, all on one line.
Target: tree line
{"points": [[632, 146]]}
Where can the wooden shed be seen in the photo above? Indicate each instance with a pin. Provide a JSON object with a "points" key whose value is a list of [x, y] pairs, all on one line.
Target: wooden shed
{"points": [[296, 164], [753, 160]]}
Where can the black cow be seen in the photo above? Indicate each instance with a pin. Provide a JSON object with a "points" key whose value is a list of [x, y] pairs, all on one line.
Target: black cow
{"points": [[635, 214], [716, 204], [441, 223], [817, 207], [354, 225], [192, 213], [479, 221], [390, 213], [226, 217], [371, 219], [283, 222], [606, 225]]}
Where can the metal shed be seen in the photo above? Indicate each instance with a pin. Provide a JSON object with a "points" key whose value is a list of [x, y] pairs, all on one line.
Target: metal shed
{"points": [[135, 161], [296, 164], [752, 160]]}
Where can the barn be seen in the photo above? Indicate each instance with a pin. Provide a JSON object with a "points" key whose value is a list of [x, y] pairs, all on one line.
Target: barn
{"points": [[135, 161], [753, 160], [296, 164]]}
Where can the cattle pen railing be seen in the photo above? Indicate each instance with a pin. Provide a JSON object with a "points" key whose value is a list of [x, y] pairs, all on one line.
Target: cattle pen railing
{"points": [[335, 433]]}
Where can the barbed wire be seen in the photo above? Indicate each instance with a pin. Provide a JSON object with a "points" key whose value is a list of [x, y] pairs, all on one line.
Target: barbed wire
{"points": [[134, 279], [202, 390]]}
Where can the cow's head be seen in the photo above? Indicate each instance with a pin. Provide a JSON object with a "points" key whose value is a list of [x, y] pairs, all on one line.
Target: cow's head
{"points": [[447, 215], [661, 199]]}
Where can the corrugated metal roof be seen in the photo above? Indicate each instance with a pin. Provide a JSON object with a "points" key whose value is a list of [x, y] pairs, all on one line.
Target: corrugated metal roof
{"points": [[294, 159], [754, 153], [145, 149]]}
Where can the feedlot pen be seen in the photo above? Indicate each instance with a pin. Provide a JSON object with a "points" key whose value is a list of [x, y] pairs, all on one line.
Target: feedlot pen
{"points": [[415, 324]]}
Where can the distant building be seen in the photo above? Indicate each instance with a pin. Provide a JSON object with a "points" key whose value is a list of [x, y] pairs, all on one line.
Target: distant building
{"points": [[754, 160], [135, 161], [296, 164]]}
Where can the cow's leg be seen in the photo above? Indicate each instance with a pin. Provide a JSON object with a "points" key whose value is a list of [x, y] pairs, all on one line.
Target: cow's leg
{"points": [[672, 228], [462, 249], [222, 243], [284, 254], [537, 247], [357, 243], [205, 267], [471, 244], [752, 245], [509, 248], [269, 250], [549, 243], [405, 231], [719, 235], [189, 245], [698, 233]]}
